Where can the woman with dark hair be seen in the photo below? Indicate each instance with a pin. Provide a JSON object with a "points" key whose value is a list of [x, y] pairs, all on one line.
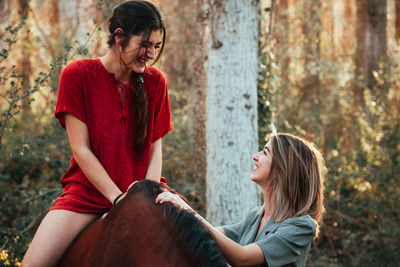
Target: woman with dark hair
{"points": [[288, 170], [116, 111]]}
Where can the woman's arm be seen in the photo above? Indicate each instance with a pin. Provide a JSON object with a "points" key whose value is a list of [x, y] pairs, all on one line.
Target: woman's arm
{"points": [[155, 164], [78, 136], [235, 254], [219, 228]]}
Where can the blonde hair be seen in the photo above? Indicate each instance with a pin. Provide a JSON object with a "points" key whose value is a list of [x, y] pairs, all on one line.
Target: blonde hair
{"points": [[295, 182]]}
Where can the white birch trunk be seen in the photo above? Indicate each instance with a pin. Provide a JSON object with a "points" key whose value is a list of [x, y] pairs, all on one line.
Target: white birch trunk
{"points": [[231, 109]]}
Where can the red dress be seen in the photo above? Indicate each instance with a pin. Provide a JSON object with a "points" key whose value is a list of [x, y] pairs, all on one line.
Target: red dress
{"points": [[90, 93]]}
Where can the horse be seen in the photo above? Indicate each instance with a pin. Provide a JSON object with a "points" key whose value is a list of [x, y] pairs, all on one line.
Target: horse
{"points": [[138, 232]]}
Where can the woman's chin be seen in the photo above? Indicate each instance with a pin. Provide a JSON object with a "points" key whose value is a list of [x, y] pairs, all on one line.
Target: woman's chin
{"points": [[256, 179], [138, 69]]}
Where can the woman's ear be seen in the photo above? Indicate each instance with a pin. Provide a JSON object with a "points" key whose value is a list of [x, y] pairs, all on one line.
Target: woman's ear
{"points": [[118, 35]]}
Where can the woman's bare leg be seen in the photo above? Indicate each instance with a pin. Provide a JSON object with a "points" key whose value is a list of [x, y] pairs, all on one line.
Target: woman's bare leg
{"points": [[54, 235]]}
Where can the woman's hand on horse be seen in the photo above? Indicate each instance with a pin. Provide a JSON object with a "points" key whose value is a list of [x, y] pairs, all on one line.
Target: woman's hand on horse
{"points": [[174, 199], [124, 195]]}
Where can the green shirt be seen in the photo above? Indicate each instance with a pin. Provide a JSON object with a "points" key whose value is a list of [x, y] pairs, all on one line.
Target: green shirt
{"points": [[283, 243]]}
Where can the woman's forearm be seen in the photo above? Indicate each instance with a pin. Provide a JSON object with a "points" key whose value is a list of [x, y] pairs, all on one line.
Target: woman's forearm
{"points": [[155, 163], [79, 141], [96, 173], [234, 253]]}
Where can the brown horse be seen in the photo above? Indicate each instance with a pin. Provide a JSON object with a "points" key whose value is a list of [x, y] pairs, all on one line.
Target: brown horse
{"points": [[137, 232]]}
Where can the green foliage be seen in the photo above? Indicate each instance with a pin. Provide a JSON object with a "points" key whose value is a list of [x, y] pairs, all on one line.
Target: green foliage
{"points": [[359, 138], [266, 81], [265, 90], [180, 164], [30, 171], [34, 148], [361, 147], [362, 185]]}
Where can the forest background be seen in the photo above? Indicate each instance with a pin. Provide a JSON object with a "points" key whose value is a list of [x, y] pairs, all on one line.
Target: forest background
{"points": [[328, 71]]}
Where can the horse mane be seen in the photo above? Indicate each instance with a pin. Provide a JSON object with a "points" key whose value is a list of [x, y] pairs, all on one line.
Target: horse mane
{"points": [[197, 241]]}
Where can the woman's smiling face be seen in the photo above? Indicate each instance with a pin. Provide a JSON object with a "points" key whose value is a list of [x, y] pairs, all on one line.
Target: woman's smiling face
{"points": [[138, 51], [263, 161]]}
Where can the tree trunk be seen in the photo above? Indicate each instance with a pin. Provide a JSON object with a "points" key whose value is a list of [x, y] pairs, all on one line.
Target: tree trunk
{"points": [[282, 19], [197, 94], [371, 44], [397, 20], [57, 35], [231, 106], [311, 47], [24, 62], [184, 61], [309, 105]]}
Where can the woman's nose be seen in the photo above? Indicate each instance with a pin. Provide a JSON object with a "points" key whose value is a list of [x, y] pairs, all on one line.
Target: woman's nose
{"points": [[255, 158], [151, 52]]}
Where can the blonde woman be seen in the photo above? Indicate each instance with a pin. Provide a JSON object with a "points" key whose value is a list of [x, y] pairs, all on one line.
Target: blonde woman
{"points": [[280, 233]]}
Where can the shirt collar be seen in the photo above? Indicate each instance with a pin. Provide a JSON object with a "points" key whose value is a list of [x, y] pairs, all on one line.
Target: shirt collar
{"points": [[270, 226]]}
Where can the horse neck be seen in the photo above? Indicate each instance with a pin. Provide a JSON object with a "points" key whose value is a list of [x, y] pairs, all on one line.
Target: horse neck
{"points": [[139, 230]]}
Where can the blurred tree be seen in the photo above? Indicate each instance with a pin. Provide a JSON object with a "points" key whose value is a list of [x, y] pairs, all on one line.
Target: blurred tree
{"points": [[310, 86], [24, 61], [282, 38], [231, 109], [353, 133], [267, 82], [183, 63], [371, 45], [397, 20]]}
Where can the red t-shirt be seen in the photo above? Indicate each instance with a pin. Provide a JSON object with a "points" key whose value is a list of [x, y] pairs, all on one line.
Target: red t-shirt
{"points": [[92, 94]]}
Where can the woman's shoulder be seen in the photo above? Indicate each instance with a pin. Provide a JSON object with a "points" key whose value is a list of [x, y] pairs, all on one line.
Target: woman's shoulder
{"points": [[288, 242], [254, 212], [80, 66], [302, 223], [154, 73], [252, 215]]}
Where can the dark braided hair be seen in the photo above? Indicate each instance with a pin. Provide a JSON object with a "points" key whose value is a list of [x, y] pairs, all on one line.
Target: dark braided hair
{"points": [[137, 18]]}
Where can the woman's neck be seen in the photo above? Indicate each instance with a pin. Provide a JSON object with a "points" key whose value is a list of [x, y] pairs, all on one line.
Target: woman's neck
{"points": [[266, 206], [265, 216], [111, 61]]}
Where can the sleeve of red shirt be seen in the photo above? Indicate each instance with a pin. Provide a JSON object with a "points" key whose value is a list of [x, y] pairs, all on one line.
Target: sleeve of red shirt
{"points": [[162, 114], [70, 95]]}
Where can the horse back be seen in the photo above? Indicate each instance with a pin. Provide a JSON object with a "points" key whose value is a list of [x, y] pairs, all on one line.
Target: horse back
{"points": [[137, 232], [81, 251]]}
